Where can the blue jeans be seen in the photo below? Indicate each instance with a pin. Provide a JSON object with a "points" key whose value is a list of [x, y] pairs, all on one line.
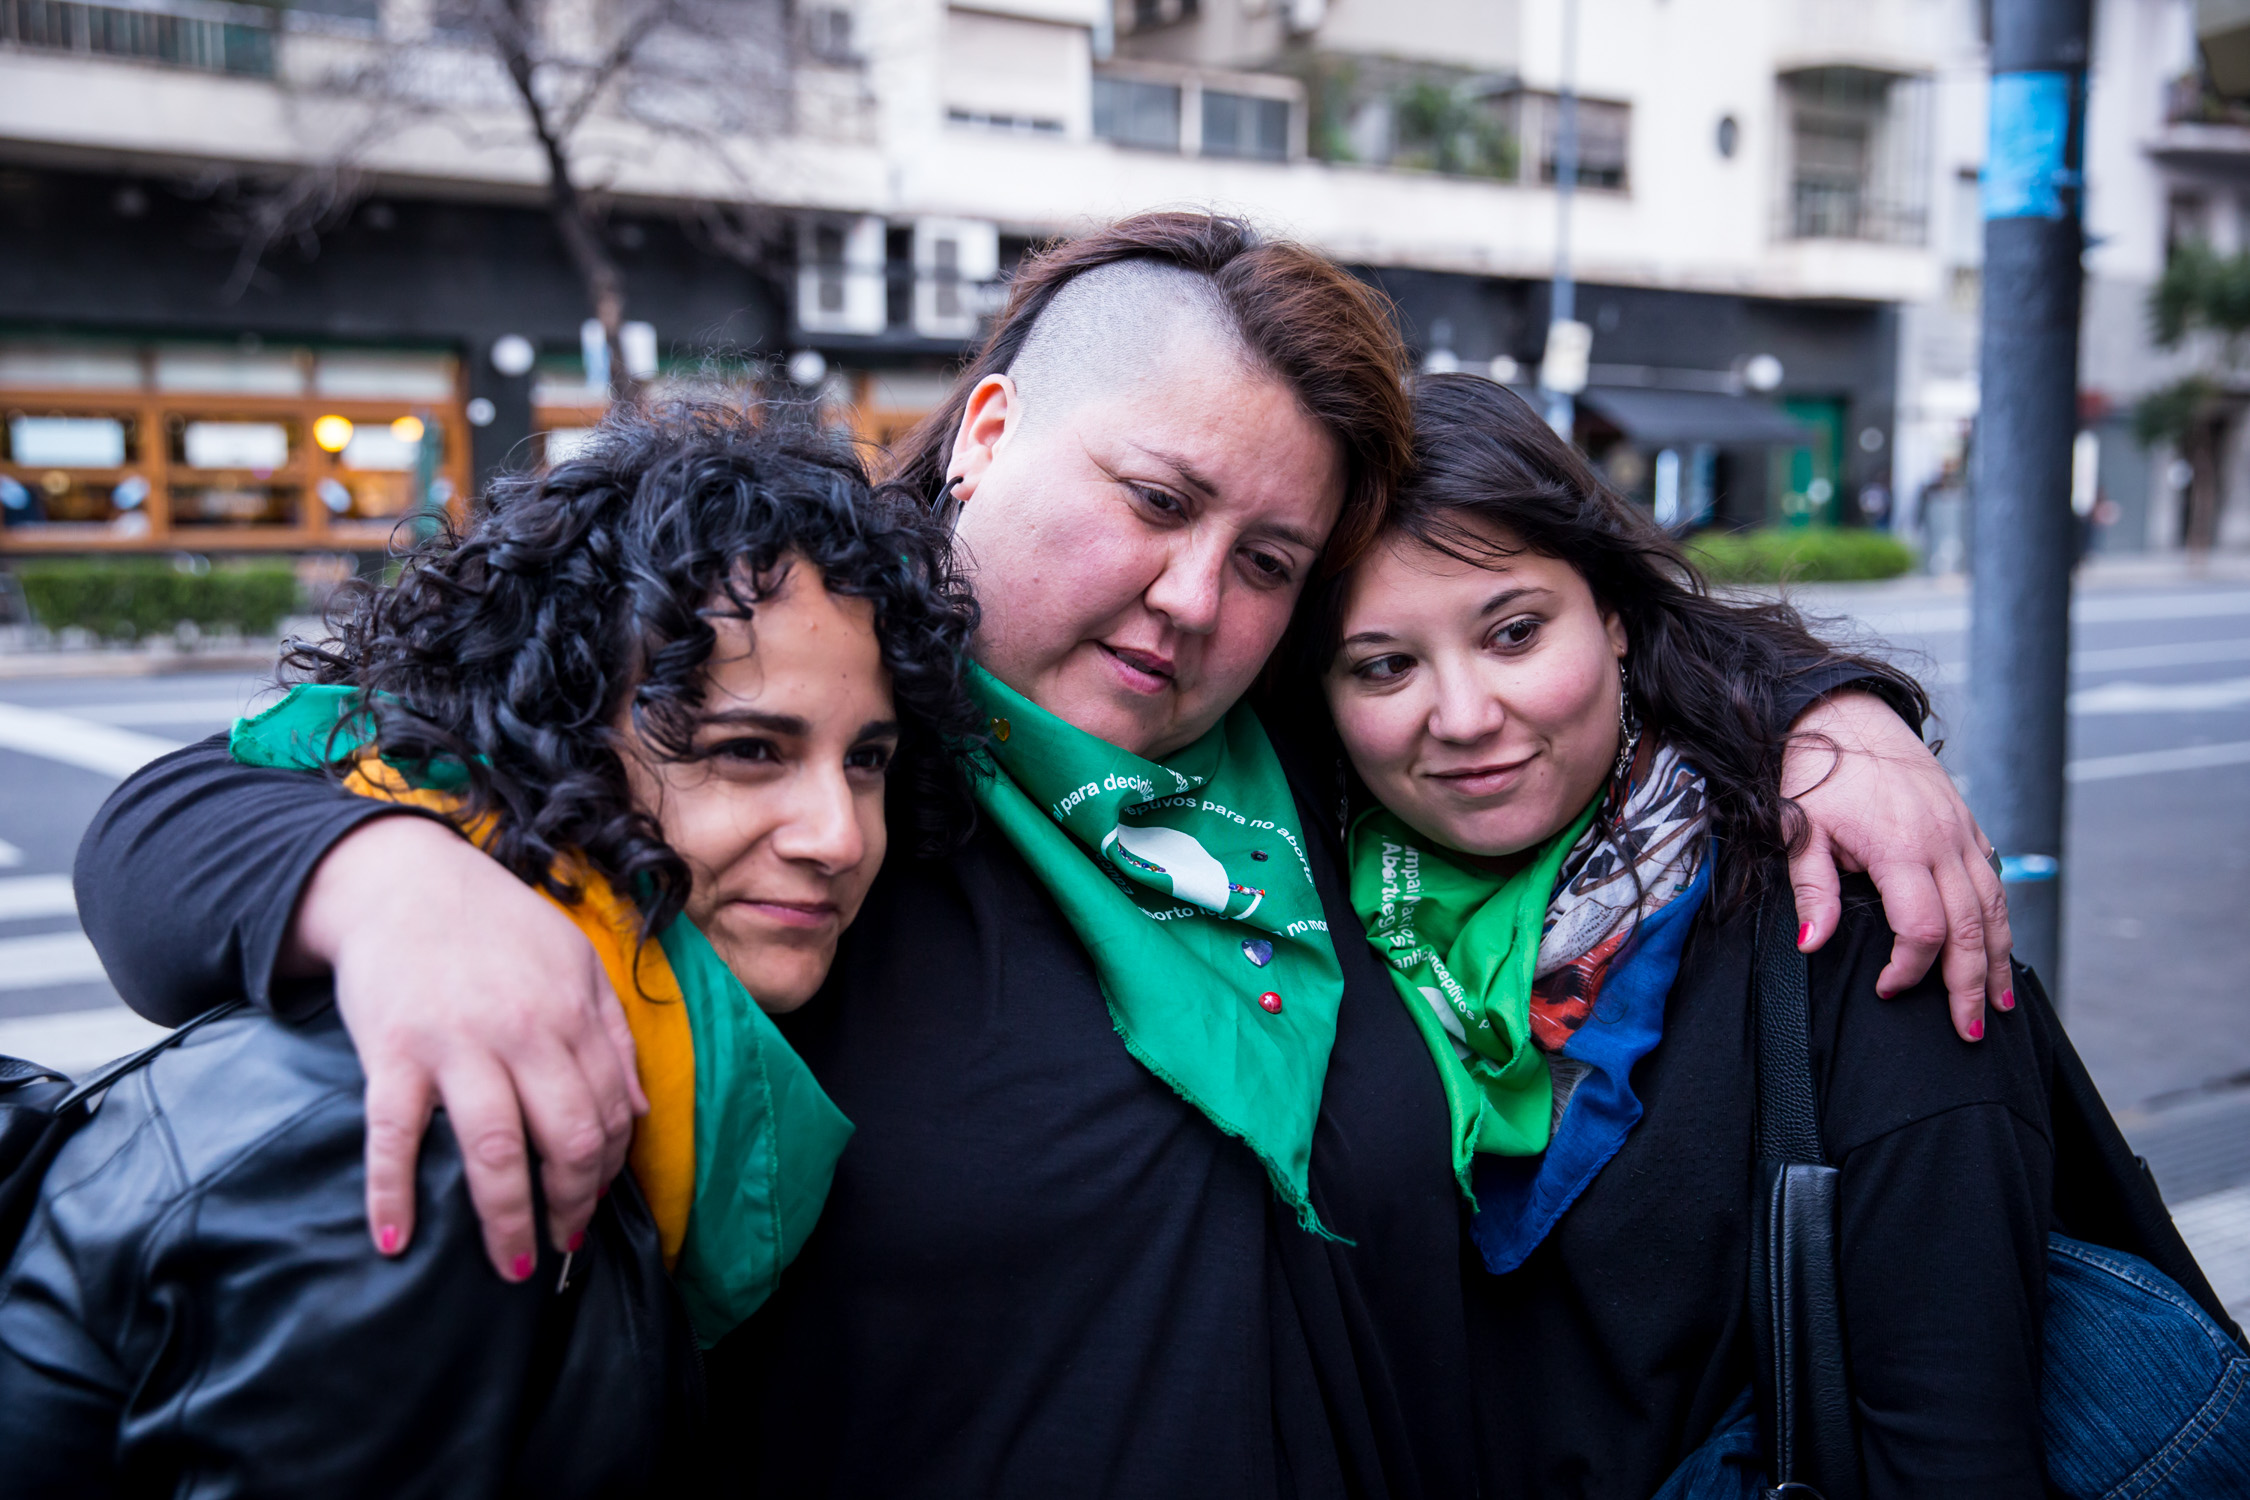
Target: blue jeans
{"points": [[2143, 1397]]}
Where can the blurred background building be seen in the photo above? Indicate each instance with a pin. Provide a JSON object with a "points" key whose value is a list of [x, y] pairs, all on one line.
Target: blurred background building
{"points": [[273, 276]]}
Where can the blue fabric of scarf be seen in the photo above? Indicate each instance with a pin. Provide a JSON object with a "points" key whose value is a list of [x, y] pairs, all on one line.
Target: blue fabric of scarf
{"points": [[1519, 1198]]}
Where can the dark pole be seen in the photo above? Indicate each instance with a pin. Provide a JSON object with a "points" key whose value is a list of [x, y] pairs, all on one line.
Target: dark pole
{"points": [[2019, 616]]}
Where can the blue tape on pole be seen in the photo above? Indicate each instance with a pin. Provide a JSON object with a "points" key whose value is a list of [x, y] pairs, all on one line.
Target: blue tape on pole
{"points": [[2024, 172]]}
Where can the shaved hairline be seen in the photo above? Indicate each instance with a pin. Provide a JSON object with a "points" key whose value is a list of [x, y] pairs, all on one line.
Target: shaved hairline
{"points": [[1118, 325]]}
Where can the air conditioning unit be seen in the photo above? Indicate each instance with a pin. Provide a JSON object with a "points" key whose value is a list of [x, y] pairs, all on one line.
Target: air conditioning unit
{"points": [[955, 260], [840, 275]]}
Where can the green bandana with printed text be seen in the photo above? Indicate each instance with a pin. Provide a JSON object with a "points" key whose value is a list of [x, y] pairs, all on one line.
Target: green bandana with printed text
{"points": [[1187, 882]]}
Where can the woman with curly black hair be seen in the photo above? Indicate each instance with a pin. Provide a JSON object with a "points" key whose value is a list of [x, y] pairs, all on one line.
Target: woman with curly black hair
{"points": [[667, 683]]}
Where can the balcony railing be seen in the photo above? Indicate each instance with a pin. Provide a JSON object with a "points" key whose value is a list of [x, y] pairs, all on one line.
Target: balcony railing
{"points": [[199, 34], [1845, 211]]}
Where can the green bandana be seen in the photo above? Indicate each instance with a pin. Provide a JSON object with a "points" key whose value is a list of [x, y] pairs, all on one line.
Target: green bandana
{"points": [[1461, 944], [1187, 883]]}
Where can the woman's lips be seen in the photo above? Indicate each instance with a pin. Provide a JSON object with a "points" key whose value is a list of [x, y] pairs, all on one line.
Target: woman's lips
{"points": [[799, 914], [1142, 671], [1482, 781]]}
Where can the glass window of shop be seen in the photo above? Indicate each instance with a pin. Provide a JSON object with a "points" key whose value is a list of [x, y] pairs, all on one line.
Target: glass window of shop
{"points": [[127, 446]]}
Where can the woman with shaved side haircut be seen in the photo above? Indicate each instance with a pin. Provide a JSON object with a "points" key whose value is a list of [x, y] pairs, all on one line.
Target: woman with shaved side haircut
{"points": [[1150, 1193]]}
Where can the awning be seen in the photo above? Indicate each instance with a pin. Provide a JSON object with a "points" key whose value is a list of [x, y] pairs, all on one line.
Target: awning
{"points": [[1667, 419]]}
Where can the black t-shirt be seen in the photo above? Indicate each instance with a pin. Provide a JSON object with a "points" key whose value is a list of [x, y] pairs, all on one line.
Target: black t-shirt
{"points": [[1040, 1272]]}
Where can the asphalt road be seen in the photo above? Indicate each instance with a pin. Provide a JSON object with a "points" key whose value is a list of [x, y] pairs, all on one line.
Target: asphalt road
{"points": [[2157, 889]]}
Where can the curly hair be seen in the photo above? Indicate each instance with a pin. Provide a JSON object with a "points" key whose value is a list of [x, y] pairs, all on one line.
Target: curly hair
{"points": [[1707, 673], [510, 649]]}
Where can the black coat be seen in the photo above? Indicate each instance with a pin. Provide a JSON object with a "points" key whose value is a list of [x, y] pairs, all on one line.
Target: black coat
{"points": [[195, 1308]]}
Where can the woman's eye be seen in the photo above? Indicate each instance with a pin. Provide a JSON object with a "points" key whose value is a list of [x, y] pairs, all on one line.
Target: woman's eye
{"points": [[1385, 668], [1516, 633], [1267, 568], [875, 758], [1158, 500], [748, 752]]}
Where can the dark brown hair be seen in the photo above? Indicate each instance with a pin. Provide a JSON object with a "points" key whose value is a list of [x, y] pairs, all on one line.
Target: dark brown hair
{"points": [[1321, 331], [1708, 675]]}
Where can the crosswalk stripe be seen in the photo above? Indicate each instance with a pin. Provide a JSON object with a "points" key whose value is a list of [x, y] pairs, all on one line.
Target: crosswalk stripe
{"points": [[2153, 762], [23, 896], [78, 742], [2161, 697], [48, 958], [77, 1041]]}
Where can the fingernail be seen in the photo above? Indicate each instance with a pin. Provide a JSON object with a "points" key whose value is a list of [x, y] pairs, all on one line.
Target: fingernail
{"points": [[1976, 1029], [387, 1238], [519, 1269], [2007, 999], [1883, 994], [576, 1241], [1804, 934]]}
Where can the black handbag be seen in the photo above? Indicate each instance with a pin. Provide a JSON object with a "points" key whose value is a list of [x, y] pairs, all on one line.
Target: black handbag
{"points": [[2120, 1278]]}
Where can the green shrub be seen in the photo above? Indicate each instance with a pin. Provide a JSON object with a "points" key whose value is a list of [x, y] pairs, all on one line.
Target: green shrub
{"points": [[127, 597], [1813, 555]]}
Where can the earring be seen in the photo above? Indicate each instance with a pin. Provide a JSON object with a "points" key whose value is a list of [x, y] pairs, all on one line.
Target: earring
{"points": [[949, 504], [1628, 723]]}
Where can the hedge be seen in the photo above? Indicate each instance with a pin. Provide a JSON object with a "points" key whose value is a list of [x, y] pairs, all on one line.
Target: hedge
{"points": [[123, 598], [1811, 555]]}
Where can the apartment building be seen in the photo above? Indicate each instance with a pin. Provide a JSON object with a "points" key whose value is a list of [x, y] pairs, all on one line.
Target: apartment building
{"points": [[1752, 209]]}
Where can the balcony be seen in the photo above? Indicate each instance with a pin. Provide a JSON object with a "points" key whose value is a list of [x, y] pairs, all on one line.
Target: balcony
{"points": [[201, 35], [1857, 162]]}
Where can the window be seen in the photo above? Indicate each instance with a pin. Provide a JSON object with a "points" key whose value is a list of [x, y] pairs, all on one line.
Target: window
{"points": [[828, 34], [1245, 125], [1604, 135], [828, 262], [1135, 113], [1858, 145], [1013, 124], [148, 446]]}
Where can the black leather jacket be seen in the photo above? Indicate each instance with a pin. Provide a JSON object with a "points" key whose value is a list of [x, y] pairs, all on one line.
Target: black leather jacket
{"points": [[196, 1309]]}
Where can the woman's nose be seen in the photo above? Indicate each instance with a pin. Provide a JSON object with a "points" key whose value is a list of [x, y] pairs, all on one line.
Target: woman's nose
{"points": [[822, 825], [1463, 709], [1187, 591]]}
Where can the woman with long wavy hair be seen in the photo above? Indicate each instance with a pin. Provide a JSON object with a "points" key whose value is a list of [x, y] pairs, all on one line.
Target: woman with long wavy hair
{"points": [[1568, 846]]}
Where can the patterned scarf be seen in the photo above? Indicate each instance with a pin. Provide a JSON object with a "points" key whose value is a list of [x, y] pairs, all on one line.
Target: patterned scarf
{"points": [[1610, 953]]}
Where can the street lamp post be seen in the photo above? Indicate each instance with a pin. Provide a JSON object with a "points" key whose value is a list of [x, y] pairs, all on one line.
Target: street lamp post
{"points": [[2019, 618], [1561, 369]]}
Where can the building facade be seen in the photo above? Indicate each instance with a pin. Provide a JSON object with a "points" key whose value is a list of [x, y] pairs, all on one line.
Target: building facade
{"points": [[1753, 211]]}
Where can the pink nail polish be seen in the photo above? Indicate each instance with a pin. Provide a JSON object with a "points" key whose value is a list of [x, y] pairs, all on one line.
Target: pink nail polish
{"points": [[577, 1242], [1976, 1029], [1804, 934], [520, 1268], [2007, 999], [387, 1238]]}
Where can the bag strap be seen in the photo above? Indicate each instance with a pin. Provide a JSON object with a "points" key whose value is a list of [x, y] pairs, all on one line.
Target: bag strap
{"points": [[1788, 1127], [110, 1072], [1800, 1375]]}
